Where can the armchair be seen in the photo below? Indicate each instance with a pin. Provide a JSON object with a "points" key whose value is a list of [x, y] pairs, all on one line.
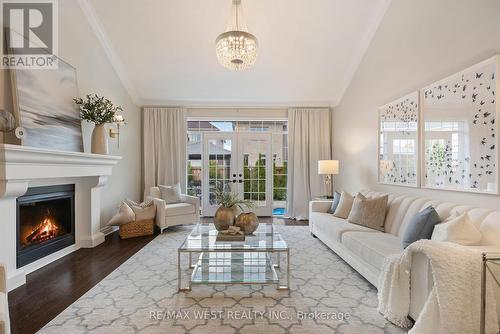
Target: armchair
{"points": [[4, 305], [186, 212]]}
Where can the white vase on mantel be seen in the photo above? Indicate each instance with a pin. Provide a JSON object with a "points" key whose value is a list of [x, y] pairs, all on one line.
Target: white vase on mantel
{"points": [[99, 140]]}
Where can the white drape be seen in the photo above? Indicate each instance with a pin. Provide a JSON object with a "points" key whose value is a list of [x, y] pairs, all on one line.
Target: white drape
{"points": [[309, 132], [165, 135]]}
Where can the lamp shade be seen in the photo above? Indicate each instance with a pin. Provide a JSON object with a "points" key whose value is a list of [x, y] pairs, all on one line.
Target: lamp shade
{"points": [[328, 167]]}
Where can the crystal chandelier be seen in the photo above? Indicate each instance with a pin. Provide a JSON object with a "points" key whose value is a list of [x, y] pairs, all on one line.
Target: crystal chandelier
{"points": [[236, 48]]}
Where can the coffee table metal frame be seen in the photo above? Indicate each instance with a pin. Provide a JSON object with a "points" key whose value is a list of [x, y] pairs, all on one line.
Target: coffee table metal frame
{"points": [[270, 263]]}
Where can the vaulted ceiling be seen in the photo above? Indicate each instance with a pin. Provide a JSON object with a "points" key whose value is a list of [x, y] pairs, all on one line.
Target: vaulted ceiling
{"points": [[163, 50]]}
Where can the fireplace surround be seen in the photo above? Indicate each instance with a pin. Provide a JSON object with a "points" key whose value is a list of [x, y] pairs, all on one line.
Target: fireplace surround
{"points": [[45, 222], [23, 168]]}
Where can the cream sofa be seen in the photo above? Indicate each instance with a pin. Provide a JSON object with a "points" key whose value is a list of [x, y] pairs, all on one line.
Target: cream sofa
{"points": [[365, 249], [186, 212], [4, 305]]}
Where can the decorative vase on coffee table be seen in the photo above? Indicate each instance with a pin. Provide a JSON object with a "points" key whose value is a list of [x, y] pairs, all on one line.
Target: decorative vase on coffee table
{"points": [[224, 217], [99, 140], [247, 222]]}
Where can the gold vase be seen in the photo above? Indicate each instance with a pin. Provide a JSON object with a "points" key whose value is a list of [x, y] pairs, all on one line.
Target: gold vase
{"points": [[99, 140], [247, 222], [224, 217]]}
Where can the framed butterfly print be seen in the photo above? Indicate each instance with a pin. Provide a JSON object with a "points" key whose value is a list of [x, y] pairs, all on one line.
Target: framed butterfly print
{"points": [[460, 130], [398, 142]]}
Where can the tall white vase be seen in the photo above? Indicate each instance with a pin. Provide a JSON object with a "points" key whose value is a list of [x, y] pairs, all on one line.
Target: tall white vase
{"points": [[99, 140]]}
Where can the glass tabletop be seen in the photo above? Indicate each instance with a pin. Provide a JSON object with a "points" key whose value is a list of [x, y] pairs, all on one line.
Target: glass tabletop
{"points": [[203, 238]]}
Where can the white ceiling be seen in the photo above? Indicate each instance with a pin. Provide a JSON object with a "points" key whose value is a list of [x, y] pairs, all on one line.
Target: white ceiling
{"points": [[163, 50]]}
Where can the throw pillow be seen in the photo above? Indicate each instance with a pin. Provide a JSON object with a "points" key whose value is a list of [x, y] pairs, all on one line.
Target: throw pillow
{"points": [[125, 215], [420, 226], [459, 230], [171, 194], [369, 212], [144, 204], [335, 202], [345, 205], [144, 212]]}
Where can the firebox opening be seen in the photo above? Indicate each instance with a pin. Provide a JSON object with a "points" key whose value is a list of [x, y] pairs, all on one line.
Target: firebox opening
{"points": [[45, 222]]}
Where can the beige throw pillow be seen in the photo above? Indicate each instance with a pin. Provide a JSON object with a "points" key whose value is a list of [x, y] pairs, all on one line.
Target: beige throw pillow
{"points": [[144, 211], [171, 194], [369, 212], [145, 204], [344, 206], [125, 215], [459, 230]]}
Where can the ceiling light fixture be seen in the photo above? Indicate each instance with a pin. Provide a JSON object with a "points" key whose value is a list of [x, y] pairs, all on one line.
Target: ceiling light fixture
{"points": [[236, 48]]}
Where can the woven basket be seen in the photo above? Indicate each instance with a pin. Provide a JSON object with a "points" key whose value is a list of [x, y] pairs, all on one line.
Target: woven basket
{"points": [[137, 229]]}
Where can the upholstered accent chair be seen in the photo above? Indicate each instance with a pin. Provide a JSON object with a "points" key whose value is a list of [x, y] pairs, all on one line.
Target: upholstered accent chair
{"points": [[4, 305], [185, 212]]}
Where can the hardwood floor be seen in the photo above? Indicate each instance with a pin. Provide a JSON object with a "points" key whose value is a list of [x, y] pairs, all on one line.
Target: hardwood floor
{"points": [[51, 289]]}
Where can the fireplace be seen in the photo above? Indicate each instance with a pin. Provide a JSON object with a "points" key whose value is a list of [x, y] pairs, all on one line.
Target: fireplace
{"points": [[45, 222]]}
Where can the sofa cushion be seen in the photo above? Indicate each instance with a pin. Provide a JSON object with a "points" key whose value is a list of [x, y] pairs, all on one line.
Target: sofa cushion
{"points": [[335, 202], [369, 212], [420, 226], [459, 230], [335, 227], [178, 209], [372, 248], [345, 205], [171, 194]]}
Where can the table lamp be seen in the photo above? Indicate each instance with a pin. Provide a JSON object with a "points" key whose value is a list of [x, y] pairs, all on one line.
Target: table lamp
{"points": [[328, 168]]}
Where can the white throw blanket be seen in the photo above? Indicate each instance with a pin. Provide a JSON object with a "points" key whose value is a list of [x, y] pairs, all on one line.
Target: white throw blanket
{"points": [[453, 305]]}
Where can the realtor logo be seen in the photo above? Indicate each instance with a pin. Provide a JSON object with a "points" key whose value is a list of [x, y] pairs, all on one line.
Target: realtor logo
{"points": [[29, 34]]}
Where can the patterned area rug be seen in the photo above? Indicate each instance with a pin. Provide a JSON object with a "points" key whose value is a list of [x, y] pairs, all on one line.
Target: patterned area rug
{"points": [[326, 296]]}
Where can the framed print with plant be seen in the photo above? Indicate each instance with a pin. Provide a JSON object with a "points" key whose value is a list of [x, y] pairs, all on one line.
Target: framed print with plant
{"points": [[460, 130], [398, 142]]}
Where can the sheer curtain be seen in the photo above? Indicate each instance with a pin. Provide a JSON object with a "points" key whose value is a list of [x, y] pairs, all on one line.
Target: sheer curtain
{"points": [[165, 132], [309, 132]]}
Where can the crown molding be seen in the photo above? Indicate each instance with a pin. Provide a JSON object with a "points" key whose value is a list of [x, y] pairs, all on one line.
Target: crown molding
{"points": [[242, 104], [363, 45], [110, 52]]}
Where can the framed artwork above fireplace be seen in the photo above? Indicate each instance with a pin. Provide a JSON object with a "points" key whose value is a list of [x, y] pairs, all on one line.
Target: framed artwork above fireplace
{"points": [[43, 104]]}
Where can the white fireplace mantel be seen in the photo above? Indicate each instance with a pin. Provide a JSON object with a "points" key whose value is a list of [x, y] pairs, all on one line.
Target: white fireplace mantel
{"points": [[22, 167]]}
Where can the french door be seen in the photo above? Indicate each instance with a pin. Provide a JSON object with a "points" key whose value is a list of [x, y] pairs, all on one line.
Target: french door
{"points": [[241, 163]]}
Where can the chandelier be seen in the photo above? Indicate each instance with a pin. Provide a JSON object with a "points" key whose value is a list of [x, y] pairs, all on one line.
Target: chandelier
{"points": [[236, 48]]}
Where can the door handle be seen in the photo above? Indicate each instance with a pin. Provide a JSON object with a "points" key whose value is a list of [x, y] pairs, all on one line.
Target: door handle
{"points": [[234, 181], [240, 181], [240, 175], [234, 175]]}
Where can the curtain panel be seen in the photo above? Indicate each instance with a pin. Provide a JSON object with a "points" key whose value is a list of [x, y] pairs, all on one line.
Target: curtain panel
{"points": [[165, 133], [309, 135]]}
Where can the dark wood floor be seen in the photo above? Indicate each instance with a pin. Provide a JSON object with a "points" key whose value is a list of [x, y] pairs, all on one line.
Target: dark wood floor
{"points": [[51, 289]]}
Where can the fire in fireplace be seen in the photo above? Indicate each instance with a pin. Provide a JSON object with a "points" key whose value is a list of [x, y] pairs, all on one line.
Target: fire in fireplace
{"points": [[44, 231], [45, 222]]}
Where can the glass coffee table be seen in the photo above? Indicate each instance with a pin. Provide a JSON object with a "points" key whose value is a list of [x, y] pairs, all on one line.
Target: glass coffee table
{"points": [[253, 261]]}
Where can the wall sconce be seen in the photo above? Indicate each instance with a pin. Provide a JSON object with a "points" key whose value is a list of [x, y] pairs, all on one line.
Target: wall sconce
{"points": [[119, 121]]}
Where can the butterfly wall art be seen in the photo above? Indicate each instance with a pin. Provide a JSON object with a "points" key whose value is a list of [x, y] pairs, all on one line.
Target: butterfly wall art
{"points": [[398, 136]]}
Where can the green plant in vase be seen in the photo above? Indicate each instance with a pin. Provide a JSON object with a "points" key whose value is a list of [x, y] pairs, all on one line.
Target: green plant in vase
{"points": [[98, 110], [230, 206]]}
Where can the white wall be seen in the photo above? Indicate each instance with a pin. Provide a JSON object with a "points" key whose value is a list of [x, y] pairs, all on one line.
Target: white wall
{"points": [[79, 47], [417, 43], [238, 113]]}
